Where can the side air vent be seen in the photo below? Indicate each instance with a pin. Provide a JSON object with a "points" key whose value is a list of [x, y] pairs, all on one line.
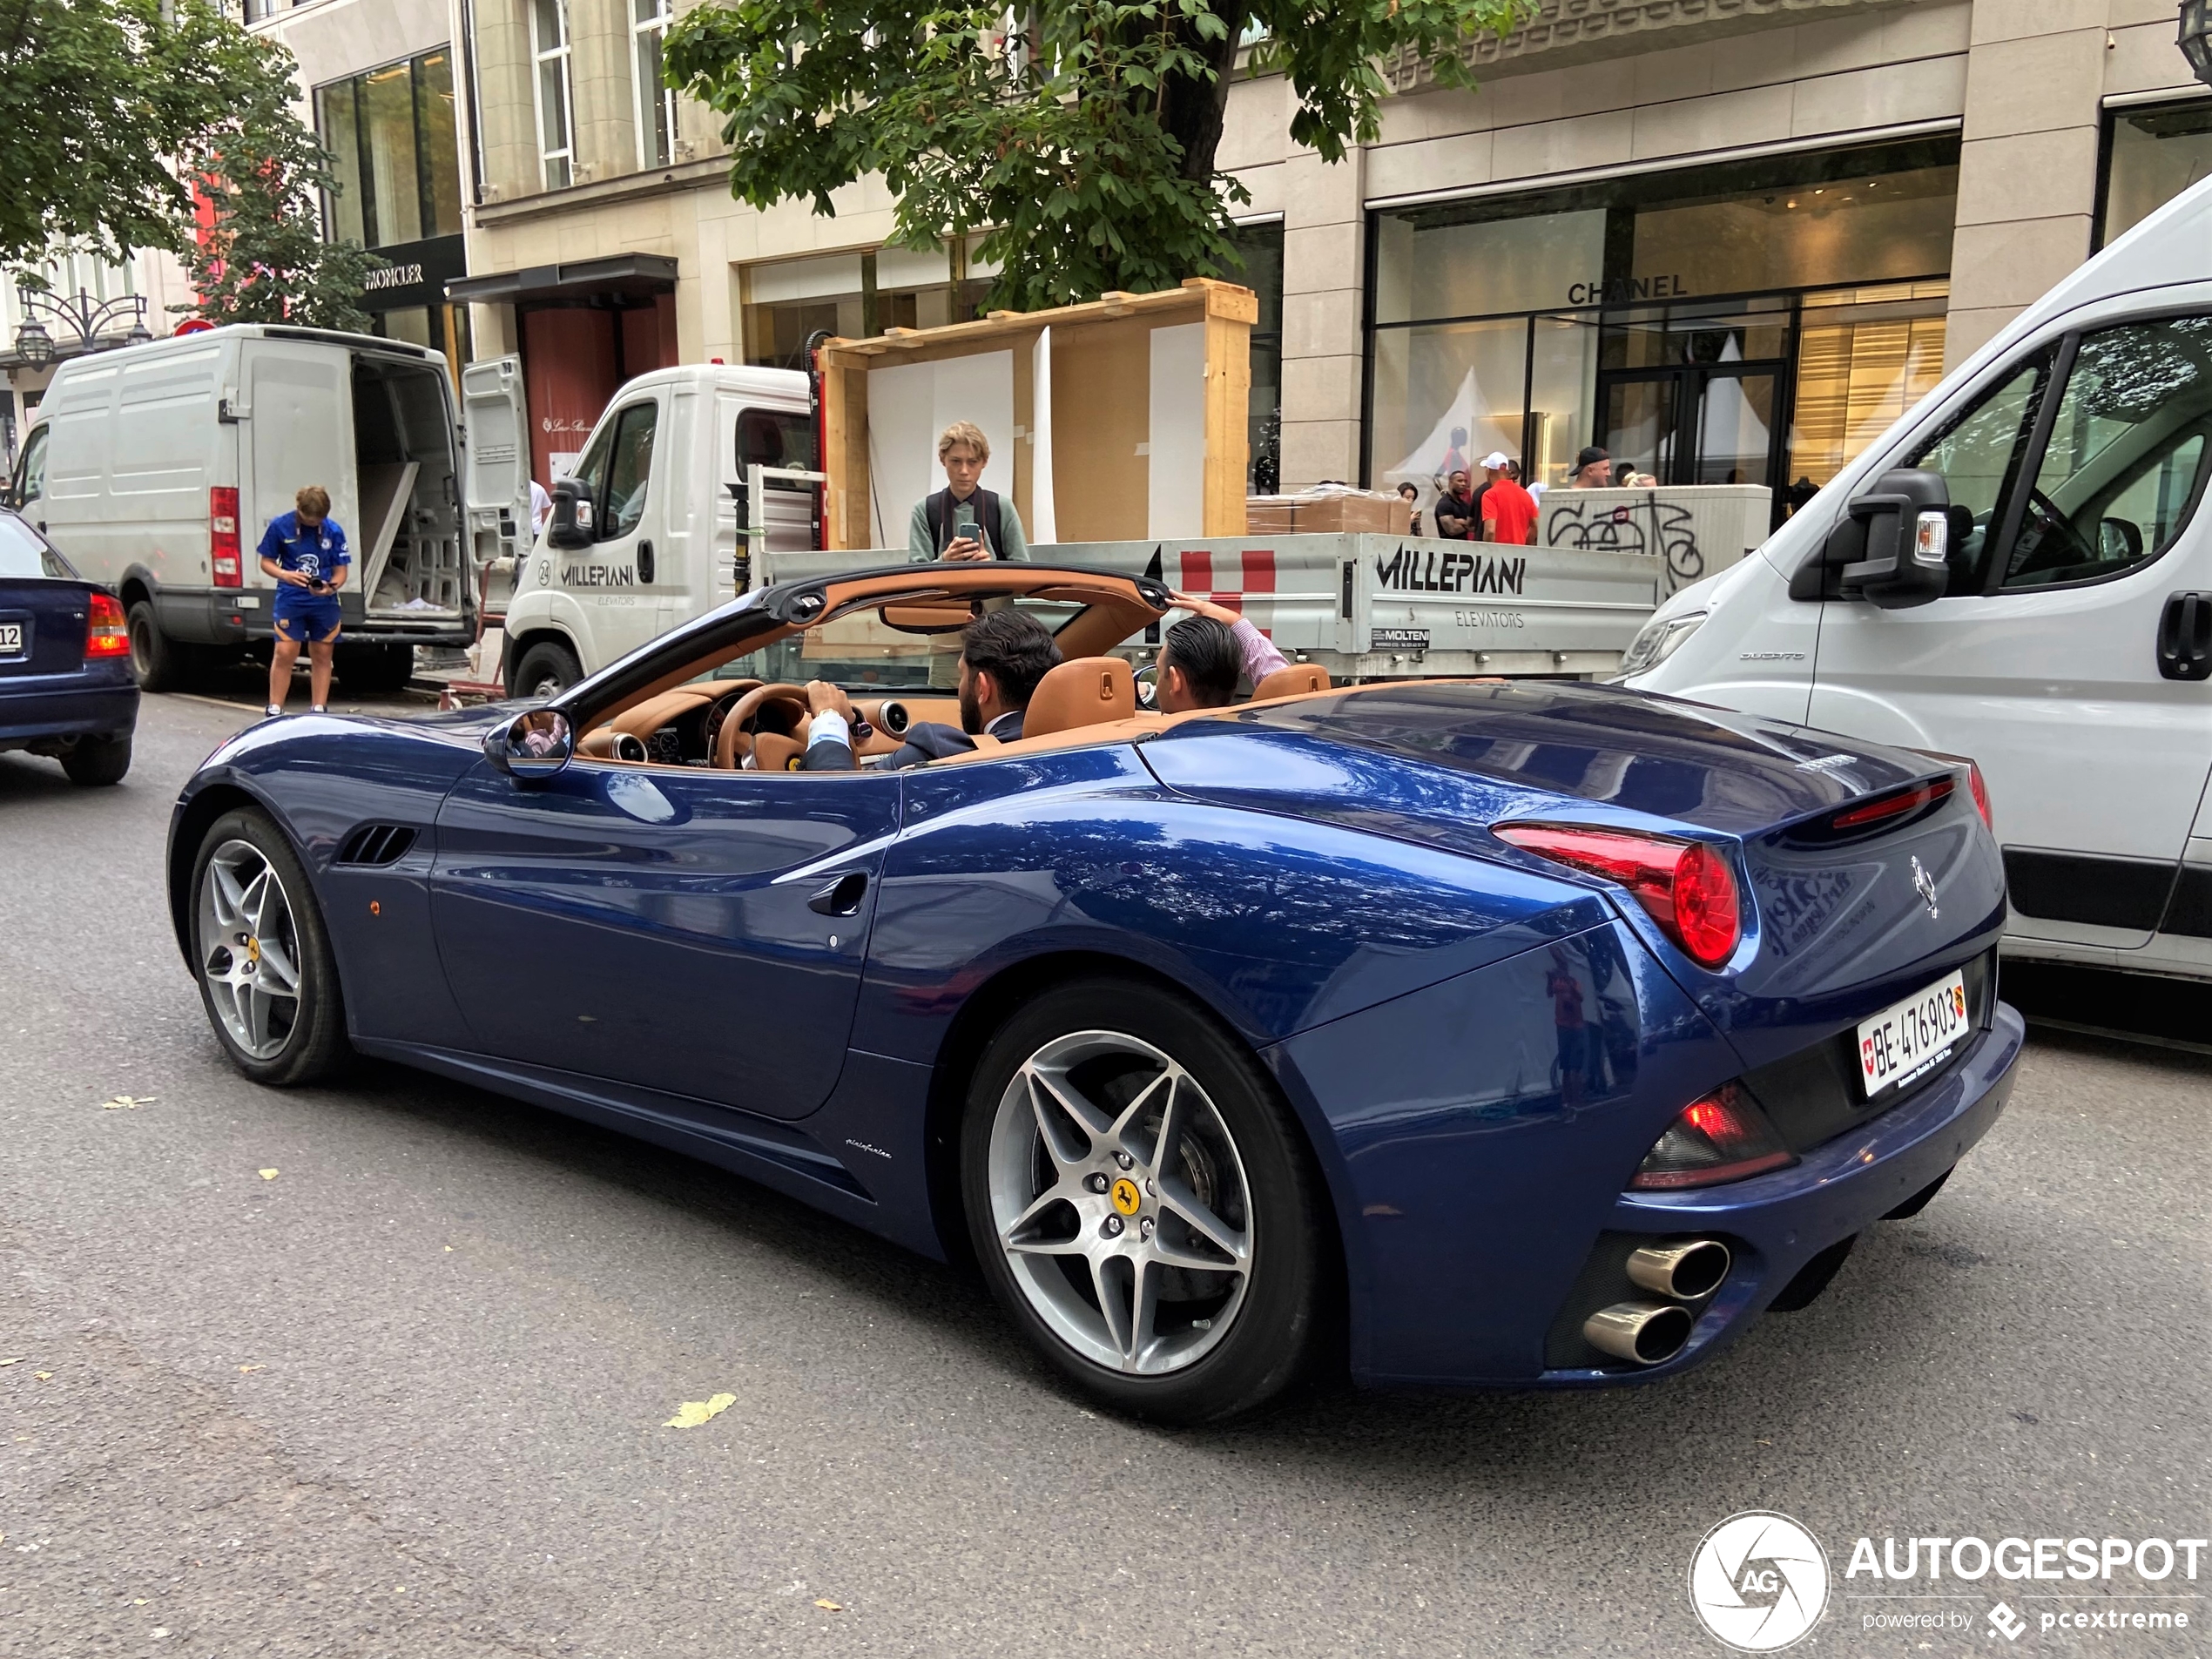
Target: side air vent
{"points": [[377, 843]]}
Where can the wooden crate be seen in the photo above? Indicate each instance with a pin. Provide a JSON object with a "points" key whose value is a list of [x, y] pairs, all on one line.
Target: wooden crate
{"points": [[1100, 417]]}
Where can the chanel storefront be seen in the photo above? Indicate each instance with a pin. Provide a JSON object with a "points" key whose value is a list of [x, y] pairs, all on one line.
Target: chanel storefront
{"points": [[1756, 321]]}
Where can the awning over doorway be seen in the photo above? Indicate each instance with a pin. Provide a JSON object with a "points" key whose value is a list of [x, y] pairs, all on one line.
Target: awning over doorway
{"points": [[639, 276]]}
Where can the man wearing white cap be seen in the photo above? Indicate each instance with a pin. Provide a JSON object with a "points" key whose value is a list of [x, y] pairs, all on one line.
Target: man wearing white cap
{"points": [[1509, 511]]}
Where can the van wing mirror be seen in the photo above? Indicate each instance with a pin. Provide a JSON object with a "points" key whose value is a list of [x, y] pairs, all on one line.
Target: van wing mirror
{"points": [[571, 525], [1892, 548]]}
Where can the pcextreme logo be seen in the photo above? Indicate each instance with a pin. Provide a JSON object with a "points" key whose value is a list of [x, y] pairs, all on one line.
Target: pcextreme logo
{"points": [[1759, 1581]]}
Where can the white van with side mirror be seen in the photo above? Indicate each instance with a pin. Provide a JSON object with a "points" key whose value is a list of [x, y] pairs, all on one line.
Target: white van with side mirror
{"points": [[650, 530], [2019, 571]]}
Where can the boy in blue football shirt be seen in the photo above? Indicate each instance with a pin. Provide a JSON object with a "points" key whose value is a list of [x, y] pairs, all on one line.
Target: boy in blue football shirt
{"points": [[305, 550]]}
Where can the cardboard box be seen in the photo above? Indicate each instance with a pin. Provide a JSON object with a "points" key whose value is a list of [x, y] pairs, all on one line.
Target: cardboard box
{"points": [[1327, 511]]}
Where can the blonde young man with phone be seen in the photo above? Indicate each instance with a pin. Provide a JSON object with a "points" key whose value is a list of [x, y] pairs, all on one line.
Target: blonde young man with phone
{"points": [[964, 524]]}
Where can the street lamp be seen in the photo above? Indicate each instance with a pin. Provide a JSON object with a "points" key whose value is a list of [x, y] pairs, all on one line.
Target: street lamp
{"points": [[33, 344], [2196, 37], [85, 319]]}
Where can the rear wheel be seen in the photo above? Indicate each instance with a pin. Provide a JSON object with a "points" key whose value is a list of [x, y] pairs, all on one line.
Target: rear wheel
{"points": [[98, 760], [372, 671], [1142, 1203], [545, 670], [160, 662], [266, 975]]}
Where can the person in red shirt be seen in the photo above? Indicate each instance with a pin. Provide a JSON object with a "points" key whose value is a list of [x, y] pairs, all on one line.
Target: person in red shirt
{"points": [[1509, 511]]}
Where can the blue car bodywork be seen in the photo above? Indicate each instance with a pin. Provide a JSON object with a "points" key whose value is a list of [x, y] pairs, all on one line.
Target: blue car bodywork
{"points": [[635, 946]]}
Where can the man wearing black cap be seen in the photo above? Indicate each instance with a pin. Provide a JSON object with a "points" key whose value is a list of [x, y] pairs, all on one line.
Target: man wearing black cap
{"points": [[1593, 470]]}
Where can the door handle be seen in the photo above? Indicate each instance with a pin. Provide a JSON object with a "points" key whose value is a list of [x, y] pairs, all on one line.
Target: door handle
{"points": [[842, 897], [2185, 637], [646, 563]]}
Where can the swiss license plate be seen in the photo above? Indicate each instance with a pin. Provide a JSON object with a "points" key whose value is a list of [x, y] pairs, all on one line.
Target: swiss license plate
{"points": [[1910, 1038], [11, 640]]}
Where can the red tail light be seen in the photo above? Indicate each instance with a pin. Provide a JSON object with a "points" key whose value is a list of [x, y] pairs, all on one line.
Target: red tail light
{"points": [[1981, 797], [1686, 886], [1898, 804], [105, 632], [222, 537], [1720, 1136], [1975, 783]]}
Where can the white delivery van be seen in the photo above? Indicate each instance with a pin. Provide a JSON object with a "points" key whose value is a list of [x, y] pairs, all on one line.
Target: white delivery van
{"points": [[2019, 571], [155, 468], [650, 532]]}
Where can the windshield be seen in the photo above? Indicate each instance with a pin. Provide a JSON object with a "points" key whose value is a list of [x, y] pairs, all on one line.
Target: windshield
{"points": [[22, 554], [870, 651]]}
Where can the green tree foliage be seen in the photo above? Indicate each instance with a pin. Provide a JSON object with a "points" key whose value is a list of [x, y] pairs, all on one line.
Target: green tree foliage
{"points": [[1084, 142], [95, 98], [109, 108], [263, 172]]}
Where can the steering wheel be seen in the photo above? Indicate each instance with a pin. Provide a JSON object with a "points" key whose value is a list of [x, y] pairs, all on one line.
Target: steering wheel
{"points": [[745, 711]]}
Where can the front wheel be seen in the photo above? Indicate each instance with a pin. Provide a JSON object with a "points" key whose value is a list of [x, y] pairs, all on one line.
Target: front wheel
{"points": [[266, 975], [545, 671], [1144, 1204]]}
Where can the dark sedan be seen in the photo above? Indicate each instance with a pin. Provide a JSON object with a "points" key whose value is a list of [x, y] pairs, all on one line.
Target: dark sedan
{"points": [[65, 684]]}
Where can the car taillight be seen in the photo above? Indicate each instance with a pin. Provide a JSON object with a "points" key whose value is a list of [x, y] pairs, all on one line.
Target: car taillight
{"points": [[222, 536], [1720, 1136], [1687, 885], [1976, 785], [1897, 804], [105, 632], [1981, 797]]}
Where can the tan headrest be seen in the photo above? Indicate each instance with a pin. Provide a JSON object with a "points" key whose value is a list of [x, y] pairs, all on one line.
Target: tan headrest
{"points": [[1082, 692], [1293, 681]]}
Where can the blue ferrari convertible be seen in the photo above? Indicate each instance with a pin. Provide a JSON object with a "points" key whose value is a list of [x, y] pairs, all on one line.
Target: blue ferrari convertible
{"points": [[1461, 1032]]}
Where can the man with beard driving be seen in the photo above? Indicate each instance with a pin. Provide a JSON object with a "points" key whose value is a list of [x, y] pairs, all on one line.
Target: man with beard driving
{"points": [[1003, 654]]}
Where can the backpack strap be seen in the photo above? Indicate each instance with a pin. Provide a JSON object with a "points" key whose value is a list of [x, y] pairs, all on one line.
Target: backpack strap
{"points": [[935, 509], [994, 524]]}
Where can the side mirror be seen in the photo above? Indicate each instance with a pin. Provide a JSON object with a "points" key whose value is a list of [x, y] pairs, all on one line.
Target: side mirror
{"points": [[571, 525], [1893, 549], [532, 746]]}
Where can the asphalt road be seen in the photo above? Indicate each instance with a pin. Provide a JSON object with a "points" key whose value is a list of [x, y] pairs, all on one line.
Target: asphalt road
{"points": [[407, 1397]]}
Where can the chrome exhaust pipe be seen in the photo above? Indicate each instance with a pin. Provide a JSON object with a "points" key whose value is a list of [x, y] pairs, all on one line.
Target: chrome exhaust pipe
{"points": [[1686, 1272], [1649, 1333]]}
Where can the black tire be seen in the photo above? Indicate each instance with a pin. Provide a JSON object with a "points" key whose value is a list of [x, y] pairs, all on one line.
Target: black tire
{"points": [[316, 1039], [1280, 1329], [374, 670], [160, 662], [95, 761], [547, 669]]}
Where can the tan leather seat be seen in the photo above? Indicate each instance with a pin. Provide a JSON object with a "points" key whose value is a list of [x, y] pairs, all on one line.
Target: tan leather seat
{"points": [[1085, 691], [1291, 681]]}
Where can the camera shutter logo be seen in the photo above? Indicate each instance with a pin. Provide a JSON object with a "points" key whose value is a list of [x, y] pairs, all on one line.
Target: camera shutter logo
{"points": [[1759, 1581]]}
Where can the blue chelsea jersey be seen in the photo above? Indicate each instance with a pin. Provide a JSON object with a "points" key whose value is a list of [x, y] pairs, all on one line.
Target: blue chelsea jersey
{"points": [[315, 553]]}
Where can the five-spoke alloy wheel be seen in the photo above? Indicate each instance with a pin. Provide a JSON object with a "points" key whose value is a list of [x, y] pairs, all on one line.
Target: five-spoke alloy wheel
{"points": [[1141, 1203], [266, 971]]}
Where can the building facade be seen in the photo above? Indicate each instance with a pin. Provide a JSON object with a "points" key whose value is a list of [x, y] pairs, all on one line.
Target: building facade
{"points": [[1728, 239], [381, 84], [155, 280]]}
